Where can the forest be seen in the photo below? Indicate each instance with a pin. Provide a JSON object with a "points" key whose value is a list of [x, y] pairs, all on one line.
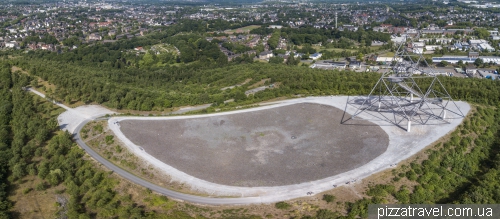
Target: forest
{"points": [[157, 88], [311, 35], [5, 133], [34, 146], [31, 145], [463, 169]]}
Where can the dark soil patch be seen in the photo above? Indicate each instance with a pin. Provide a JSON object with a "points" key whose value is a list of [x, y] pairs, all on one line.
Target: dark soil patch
{"points": [[279, 146]]}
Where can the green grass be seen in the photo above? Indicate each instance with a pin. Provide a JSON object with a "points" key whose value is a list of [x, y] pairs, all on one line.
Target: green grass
{"points": [[157, 200], [388, 54], [243, 29], [249, 28], [319, 48]]}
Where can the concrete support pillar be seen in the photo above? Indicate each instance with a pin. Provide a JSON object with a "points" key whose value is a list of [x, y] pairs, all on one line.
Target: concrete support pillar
{"points": [[409, 126], [444, 114], [379, 105]]}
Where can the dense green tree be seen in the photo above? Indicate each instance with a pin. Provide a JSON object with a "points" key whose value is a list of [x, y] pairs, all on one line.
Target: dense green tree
{"points": [[274, 40], [482, 33], [443, 63], [6, 108], [276, 60], [291, 60], [359, 57], [478, 62]]}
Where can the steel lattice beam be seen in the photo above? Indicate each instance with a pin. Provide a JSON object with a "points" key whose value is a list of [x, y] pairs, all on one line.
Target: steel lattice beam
{"points": [[399, 93]]}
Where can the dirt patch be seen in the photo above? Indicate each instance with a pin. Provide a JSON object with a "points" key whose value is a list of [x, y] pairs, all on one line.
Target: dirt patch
{"points": [[15, 68], [237, 85], [41, 83], [279, 146], [259, 83], [32, 203]]}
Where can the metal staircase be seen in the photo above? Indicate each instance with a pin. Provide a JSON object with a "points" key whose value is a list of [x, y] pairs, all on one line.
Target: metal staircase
{"points": [[409, 89]]}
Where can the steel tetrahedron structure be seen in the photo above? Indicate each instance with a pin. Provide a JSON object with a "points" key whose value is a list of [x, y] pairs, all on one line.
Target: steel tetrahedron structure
{"points": [[410, 92]]}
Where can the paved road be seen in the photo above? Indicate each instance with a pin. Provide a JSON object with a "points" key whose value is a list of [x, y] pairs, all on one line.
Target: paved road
{"points": [[54, 102], [137, 180], [173, 194]]}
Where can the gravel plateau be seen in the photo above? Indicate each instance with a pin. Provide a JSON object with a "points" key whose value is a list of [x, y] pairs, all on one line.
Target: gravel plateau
{"points": [[279, 146]]}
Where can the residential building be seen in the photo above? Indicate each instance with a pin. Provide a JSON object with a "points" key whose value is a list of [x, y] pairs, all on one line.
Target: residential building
{"points": [[266, 55], [12, 44], [315, 56], [95, 36]]}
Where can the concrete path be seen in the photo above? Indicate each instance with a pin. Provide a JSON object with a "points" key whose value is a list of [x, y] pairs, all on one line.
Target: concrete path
{"points": [[54, 102]]}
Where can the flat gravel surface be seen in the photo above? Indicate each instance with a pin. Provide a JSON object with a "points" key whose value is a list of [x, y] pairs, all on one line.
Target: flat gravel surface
{"points": [[279, 146]]}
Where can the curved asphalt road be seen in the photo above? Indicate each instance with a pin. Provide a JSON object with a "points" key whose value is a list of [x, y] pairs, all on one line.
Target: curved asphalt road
{"points": [[173, 194], [137, 180], [396, 156]]}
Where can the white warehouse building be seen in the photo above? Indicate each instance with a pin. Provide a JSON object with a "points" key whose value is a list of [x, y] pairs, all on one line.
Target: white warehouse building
{"points": [[486, 47], [466, 59]]}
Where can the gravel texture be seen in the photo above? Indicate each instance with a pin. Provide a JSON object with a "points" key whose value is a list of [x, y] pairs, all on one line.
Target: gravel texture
{"points": [[284, 145], [71, 118]]}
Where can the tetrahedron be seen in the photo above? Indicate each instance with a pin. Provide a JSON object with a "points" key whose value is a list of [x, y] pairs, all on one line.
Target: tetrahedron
{"points": [[410, 92]]}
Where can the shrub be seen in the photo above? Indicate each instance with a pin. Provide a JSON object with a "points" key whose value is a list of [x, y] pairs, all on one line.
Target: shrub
{"points": [[328, 198], [411, 175], [27, 190], [98, 128], [109, 139], [41, 186], [282, 205]]}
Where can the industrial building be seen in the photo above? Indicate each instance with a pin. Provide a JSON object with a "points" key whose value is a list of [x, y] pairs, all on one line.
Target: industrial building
{"points": [[466, 59]]}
